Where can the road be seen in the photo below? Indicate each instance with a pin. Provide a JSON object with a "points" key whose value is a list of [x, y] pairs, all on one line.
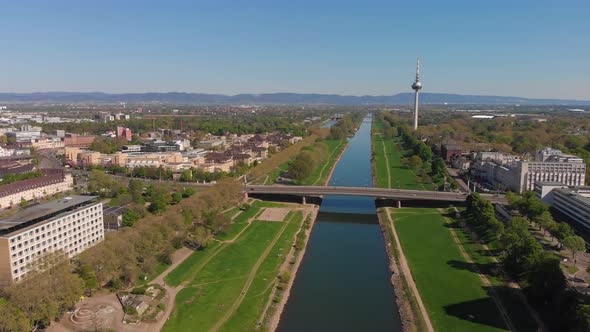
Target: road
{"points": [[399, 194]]}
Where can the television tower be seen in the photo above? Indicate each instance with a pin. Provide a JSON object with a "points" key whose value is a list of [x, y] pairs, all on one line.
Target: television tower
{"points": [[416, 86]]}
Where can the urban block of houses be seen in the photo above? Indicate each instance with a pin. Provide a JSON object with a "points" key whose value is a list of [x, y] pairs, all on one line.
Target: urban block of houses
{"points": [[53, 181]]}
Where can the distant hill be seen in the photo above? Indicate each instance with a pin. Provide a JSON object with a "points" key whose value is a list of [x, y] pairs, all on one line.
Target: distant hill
{"points": [[274, 98]]}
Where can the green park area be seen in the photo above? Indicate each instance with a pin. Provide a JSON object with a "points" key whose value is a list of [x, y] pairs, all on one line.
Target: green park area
{"points": [[388, 165], [450, 287], [228, 285]]}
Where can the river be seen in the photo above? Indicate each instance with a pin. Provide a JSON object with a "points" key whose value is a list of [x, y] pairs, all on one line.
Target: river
{"points": [[343, 281]]}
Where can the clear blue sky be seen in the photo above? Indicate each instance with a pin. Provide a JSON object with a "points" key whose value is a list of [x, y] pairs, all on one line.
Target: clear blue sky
{"points": [[530, 48]]}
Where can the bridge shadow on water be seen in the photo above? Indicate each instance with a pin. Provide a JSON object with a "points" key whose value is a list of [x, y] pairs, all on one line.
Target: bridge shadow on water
{"points": [[415, 203], [288, 198]]}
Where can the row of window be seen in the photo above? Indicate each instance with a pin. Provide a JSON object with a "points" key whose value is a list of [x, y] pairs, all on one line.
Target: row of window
{"points": [[93, 229], [91, 224], [93, 211], [74, 249]]}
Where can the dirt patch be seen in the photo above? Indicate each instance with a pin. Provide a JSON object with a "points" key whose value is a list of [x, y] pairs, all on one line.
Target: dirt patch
{"points": [[274, 214], [94, 313]]}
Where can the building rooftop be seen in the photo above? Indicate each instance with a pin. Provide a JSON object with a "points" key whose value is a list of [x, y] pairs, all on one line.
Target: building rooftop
{"points": [[574, 195], [40, 212]]}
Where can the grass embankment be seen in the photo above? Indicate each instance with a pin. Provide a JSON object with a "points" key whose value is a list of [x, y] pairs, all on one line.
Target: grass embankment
{"points": [[263, 172], [450, 289], [321, 172], [389, 170], [416, 319], [228, 284]]}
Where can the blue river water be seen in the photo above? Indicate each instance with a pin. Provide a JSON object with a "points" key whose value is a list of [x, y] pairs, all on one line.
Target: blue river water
{"points": [[343, 281]]}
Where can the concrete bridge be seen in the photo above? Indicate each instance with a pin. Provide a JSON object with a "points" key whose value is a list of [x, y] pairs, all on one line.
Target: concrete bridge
{"points": [[395, 194]]}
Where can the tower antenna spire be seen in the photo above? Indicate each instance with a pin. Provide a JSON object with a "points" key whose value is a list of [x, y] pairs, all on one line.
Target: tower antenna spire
{"points": [[416, 86], [417, 69]]}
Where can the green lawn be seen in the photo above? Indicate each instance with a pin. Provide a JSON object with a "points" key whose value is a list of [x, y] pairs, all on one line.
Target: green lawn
{"points": [[248, 314], [453, 294], [192, 265], [231, 212], [215, 280], [401, 176], [238, 224]]}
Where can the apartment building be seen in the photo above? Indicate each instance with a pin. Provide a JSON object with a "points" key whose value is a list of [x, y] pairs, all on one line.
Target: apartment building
{"points": [[509, 172], [52, 182], [67, 226]]}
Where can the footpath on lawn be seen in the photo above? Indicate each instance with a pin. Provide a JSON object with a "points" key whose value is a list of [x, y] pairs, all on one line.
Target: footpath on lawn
{"points": [[226, 286], [454, 295], [388, 168]]}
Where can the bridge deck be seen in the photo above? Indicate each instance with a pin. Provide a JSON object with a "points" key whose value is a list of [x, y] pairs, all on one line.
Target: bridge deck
{"points": [[399, 194]]}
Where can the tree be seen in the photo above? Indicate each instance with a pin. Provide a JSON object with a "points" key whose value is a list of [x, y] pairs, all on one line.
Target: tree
{"points": [[544, 220], [337, 133], [136, 190], [160, 199], [198, 237], [130, 217], [546, 279], [102, 183], [574, 244], [415, 162], [89, 278], [12, 319], [562, 231], [301, 167], [438, 166], [583, 317]]}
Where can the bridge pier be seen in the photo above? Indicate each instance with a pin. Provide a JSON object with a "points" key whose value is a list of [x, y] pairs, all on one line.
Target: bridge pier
{"points": [[303, 200], [399, 204]]}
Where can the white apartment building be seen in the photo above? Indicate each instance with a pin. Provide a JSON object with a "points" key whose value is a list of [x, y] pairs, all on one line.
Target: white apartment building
{"points": [[571, 172], [508, 172], [69, 225]]}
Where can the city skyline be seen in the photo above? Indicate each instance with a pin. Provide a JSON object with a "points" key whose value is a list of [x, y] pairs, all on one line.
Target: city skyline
{"points": [[524, 49]]}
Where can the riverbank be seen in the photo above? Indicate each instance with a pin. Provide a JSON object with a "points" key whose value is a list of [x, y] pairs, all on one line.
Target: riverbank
{"points": [[413, 314], [325, 183], [274, 319]]}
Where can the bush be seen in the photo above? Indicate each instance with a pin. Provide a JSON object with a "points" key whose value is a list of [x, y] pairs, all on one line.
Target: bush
{"points": [[129, 310], [138, 290]]}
